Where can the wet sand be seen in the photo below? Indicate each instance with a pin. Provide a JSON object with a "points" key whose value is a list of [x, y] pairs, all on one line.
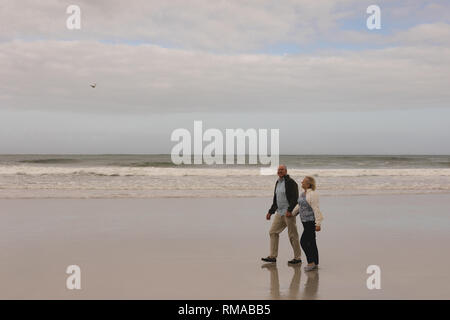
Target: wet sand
{"points": [[211, 249]]}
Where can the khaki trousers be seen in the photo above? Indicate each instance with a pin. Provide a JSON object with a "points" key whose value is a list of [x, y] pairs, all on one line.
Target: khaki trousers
{"points": [[278, 225]]}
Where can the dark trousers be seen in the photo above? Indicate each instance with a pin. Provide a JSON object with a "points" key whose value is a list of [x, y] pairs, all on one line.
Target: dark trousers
{"points": [[308, 242]]}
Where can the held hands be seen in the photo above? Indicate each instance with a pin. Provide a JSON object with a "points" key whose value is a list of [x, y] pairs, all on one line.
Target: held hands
{"points": [[317, 228], [288, 214]]}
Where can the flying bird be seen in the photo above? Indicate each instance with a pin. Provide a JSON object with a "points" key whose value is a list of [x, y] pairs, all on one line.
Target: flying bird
{"points": [[93, 85]]}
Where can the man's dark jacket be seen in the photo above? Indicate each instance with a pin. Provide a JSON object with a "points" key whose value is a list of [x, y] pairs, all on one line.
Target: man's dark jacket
{"points": [[291, 194]]}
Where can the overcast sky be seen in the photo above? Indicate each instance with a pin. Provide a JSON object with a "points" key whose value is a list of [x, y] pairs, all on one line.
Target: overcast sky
{"points": [[309, 68]]}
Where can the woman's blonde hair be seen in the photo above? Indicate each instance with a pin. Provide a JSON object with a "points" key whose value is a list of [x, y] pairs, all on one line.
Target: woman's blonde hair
{"points": [[312, 182]]}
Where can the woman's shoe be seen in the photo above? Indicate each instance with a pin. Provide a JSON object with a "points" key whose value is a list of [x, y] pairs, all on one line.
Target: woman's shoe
{"points": [[311, 268]]}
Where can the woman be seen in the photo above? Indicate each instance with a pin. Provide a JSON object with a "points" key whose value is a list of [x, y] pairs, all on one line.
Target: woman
{"points": [[311, 217]]}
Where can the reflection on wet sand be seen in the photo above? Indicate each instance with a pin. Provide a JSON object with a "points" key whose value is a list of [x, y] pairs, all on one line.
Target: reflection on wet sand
{"points": [[274, 280], [311, 285]]}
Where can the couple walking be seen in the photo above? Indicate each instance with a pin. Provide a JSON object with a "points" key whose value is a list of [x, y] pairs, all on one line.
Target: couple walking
{"points": [[288, 204]]}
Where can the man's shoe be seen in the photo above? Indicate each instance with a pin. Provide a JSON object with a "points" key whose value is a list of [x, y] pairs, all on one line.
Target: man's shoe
{"points": [[269, 259], [295, 261]]}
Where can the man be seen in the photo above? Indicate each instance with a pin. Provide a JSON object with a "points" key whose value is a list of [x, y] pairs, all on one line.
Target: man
{"points": [[284, 201]]}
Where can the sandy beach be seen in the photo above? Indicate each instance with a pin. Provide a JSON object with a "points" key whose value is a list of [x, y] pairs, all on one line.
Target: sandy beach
{"points": [[181, 248]]}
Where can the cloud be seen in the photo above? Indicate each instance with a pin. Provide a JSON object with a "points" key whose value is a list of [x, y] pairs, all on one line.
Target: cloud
{"points": [[208, 56], [425, 34], [232, 26], [160, 64], [55, 75]]}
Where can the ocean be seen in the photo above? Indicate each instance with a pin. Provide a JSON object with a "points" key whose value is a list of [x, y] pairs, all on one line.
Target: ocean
{"points": [[155, 176]]}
